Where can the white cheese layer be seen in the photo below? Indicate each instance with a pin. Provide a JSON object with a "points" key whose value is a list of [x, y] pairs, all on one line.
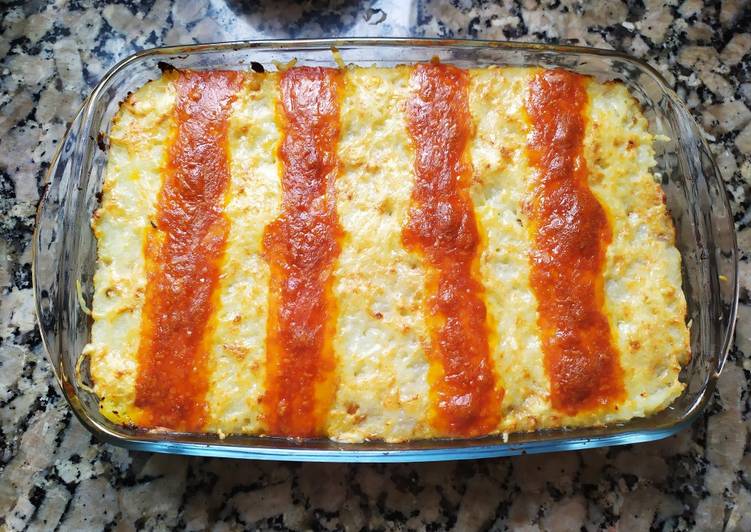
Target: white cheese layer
{"points": [[140, 135], [643, 297], [237, 360], [383, 390]]}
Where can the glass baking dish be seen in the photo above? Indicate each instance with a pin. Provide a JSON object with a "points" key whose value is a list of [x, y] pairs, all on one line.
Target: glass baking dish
{"points": [[65, 248]]}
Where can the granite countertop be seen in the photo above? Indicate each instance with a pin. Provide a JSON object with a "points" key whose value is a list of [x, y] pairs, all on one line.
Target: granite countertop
{"points": [[54, 474]]}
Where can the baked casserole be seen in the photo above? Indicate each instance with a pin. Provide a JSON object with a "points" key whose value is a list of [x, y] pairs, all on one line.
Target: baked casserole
{"points": [[383, 254]]}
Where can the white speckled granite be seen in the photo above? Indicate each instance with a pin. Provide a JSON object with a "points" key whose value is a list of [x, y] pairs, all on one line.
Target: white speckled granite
{"points": [[53, 474]]}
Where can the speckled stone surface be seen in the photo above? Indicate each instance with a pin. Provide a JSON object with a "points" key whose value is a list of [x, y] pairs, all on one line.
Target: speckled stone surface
{"points": [[54, 475]]}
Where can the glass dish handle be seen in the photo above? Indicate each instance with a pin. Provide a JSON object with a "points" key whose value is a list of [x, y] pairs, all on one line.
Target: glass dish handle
{"points": [[723, 247], [48, 278]]}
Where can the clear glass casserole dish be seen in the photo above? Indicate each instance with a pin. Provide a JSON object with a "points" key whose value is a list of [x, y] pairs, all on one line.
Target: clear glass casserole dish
{"points": [[65, 248]]}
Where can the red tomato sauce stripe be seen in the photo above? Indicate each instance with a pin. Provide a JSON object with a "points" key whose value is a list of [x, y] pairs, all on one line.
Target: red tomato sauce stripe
{"points": [[183, 255], [571, 232], [301, 246], [442, 227]]}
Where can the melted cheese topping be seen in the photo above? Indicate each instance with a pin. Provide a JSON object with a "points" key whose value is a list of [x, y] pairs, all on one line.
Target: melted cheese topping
{"points": [[301, 246], [570, 231], [184, 252], [442, 228], [382, 338]]}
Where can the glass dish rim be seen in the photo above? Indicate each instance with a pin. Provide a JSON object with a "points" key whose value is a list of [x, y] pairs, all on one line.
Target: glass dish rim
{"points": [[219, 448]]}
